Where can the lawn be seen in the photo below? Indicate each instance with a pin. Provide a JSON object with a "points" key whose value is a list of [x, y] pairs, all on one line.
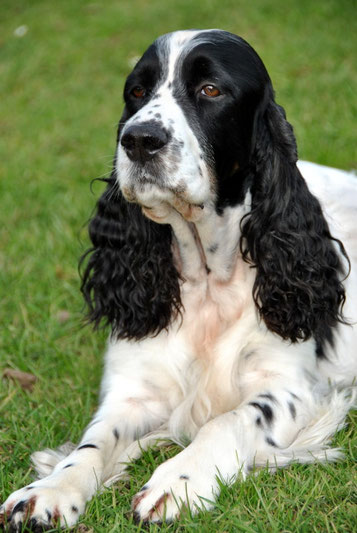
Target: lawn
{"points": [[62, 69]]}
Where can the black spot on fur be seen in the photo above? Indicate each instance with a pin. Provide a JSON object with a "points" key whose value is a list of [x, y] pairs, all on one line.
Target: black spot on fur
{"points": [[184, 476], [268, 396], [69, 465], [87, 446], [49, 515], [213, 249], [116, 434], [19, 507], [265, 409], [294, 396], [292, 410], [258, 422], [74, 509], [271, 442]]}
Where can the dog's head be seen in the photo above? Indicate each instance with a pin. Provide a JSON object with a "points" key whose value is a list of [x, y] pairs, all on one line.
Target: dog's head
{"points": [[187, 130]]}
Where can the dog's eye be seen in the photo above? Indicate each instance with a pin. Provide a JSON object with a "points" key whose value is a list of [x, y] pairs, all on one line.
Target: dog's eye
{"points": [[211, 91], [138, 92]]}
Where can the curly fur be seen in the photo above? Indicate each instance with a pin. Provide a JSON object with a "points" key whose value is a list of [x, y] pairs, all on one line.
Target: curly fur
{"points": [[298, 288], [130, 280]]}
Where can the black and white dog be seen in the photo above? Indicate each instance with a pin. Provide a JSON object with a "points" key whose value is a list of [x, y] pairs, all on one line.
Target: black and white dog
{"points": [[228, 280]]}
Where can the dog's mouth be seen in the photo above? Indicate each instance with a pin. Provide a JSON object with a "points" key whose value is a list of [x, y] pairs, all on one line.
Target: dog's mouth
{"points": [[158, 206], [190, 212]]}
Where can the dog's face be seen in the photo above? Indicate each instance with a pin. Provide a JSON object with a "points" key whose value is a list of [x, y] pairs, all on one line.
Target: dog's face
{"points": [[186, 131]]}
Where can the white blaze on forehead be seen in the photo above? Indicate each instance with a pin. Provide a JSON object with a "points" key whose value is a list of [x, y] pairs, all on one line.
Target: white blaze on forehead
{"points": [[174, 44]]}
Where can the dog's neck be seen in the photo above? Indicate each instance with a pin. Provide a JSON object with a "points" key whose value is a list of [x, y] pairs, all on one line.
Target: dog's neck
{"points": [[207, 246]]}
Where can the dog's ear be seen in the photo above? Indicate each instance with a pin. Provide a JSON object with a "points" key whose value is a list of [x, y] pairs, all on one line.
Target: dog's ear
{"points": [[298, 288], [130, 280]]}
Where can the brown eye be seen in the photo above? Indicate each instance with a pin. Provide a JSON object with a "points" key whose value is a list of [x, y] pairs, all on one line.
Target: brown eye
{"points": [[211, 91], [138, 92]]}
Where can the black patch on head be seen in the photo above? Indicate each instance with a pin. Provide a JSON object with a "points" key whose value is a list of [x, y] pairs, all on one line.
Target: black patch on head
{"points": [[265, 409], [224, 125], [271, 442], [184, 476], [87, 446], [148, 74]]}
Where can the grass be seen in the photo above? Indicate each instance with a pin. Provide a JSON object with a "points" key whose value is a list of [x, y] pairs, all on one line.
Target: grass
{"points": [[61, 85]]}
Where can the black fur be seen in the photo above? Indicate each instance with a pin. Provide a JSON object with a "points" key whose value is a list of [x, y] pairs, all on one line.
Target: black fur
{"points": [[298, 288], [130, 280], [87, 446], [265, 409]]}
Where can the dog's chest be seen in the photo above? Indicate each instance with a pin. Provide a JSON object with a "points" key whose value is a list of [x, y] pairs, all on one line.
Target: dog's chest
{"points": [[214, 310]]}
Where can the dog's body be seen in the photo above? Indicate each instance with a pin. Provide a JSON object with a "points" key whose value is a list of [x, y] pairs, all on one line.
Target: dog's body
{"points": [[223, 279]]}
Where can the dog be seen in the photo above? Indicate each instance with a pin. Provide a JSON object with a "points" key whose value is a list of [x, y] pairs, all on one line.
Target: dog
{"points": [[226, 270]]}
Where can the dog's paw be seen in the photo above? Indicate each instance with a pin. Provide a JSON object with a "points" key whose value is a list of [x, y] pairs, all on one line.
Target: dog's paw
{"points": [[175, 488], [40, 507]]}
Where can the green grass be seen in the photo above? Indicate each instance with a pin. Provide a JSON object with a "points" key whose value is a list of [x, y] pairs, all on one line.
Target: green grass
{"points": [[61, 87]]}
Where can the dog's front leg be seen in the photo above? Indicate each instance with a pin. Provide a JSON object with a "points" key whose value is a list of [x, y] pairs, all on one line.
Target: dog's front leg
{"points": [[272, 427], [133, 403]]}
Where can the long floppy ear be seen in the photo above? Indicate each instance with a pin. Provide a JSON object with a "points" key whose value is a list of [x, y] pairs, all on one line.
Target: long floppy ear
{"points": [[130, 280], [298, 288]]}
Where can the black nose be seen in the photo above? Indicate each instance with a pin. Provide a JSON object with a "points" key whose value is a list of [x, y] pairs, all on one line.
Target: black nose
{"points": [[142, 141]]}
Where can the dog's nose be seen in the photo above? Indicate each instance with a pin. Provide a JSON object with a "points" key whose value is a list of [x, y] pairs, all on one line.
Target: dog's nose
{"points": [[142, 141]]}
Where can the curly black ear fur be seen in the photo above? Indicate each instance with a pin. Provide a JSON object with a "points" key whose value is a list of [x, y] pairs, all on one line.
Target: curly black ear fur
{"points": [[130, 280], [298, 288]]}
